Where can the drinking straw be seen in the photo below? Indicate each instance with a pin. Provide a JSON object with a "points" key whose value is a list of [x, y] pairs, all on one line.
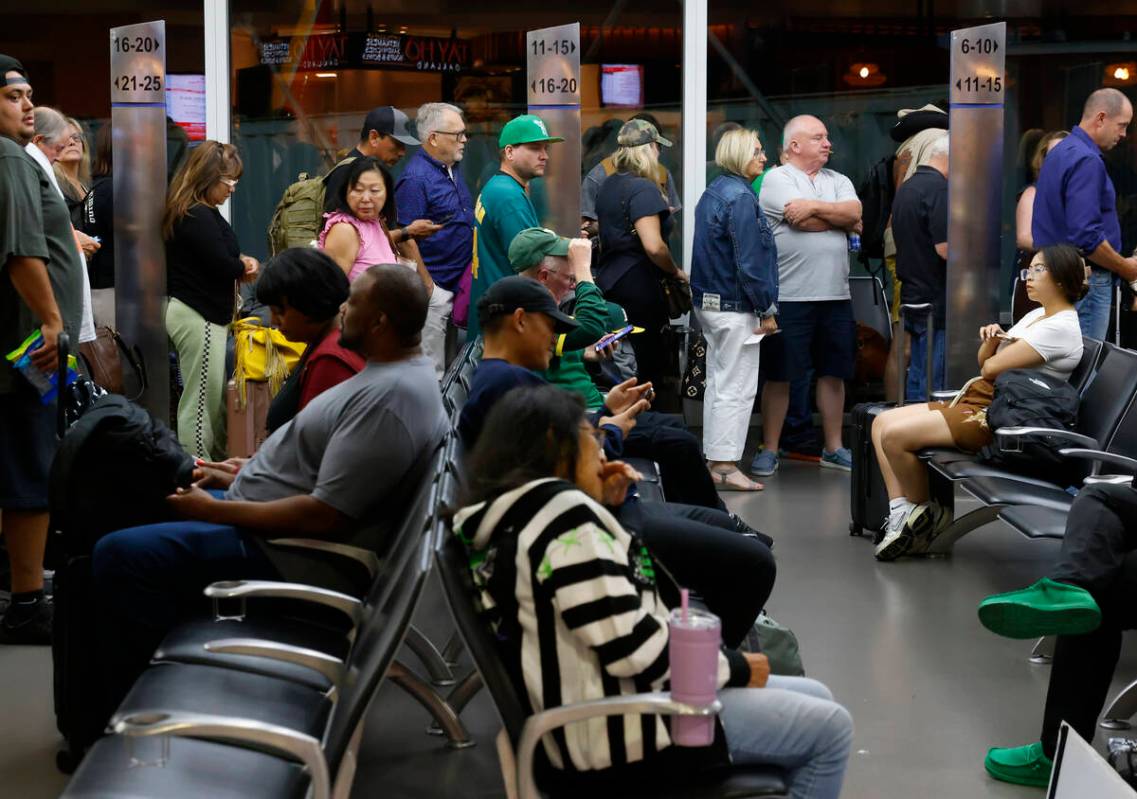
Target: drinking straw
{"points": [[683, 604]]}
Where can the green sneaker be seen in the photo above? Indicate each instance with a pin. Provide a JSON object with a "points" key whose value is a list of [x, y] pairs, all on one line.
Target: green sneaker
{"points": [[1022, 765], [1046, 608]]}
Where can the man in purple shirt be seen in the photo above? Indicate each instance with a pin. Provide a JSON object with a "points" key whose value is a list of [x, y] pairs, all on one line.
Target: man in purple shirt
{"points": [[432, 188], [1076, 204]]}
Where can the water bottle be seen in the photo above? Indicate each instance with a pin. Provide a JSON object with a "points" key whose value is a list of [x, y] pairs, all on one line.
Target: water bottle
{"points": [[854, 242]]}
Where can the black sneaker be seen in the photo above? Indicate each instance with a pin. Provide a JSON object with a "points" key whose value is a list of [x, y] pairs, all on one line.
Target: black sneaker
{"points": [[33, 630]]}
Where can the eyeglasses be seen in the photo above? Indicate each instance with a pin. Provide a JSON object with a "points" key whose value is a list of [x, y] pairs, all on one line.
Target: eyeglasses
{"points": [[75, 138], [459, 135], [230, 182], [597, 434], [758, 152], [1033, 271]]}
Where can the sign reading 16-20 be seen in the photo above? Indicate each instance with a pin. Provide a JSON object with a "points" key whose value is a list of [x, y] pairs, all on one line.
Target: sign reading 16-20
{"points": [[138, 63]]}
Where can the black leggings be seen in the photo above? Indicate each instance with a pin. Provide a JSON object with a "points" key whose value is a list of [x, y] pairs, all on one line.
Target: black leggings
{"points": [[666, 440], [701, 548], [1098, 555], [640, 295]]}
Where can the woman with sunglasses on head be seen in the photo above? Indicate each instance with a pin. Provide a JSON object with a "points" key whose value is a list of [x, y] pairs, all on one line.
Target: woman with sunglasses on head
{"points": [[203, 264], [1048, 339]]}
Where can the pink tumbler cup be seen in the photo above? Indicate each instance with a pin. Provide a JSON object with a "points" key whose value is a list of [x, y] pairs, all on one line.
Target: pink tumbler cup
{"points": [[693, 649]]}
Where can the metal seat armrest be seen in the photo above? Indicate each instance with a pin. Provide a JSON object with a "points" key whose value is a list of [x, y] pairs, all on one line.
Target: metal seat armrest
{"points": [[364, 557], [245, 589], [1099, 458], [1074, 438], [327, 665], [537, 725], [944, 396], [270, 738]]}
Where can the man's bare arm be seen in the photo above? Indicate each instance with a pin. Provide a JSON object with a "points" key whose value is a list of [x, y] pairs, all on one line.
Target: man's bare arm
{"points": [[29, 278]]}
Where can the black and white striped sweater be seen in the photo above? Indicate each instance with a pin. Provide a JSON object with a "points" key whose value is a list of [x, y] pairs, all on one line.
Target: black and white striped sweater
{"points": [[575, 600]]}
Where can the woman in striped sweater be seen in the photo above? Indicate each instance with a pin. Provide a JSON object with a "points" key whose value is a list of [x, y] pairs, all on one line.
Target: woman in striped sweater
{"points": [[581, 607]]}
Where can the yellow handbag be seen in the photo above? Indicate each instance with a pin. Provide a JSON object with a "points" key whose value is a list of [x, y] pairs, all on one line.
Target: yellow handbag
{"points": [[263, 355]]}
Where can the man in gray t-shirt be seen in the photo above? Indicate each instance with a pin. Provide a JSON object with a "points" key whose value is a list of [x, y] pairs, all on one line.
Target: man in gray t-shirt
{"points": [[41, 290], [342, 470], [811, 210]]}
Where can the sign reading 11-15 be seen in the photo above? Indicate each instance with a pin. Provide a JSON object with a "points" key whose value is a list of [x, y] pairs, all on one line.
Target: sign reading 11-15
{"points": [[553, 63], [978, 57]]}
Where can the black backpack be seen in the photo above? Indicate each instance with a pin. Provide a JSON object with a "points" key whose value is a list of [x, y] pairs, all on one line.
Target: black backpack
{"points": [[1030, 398], [114, 468], [876, 193]]}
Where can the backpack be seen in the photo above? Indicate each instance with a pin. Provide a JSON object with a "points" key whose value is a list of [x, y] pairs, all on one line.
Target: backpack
{"points": [[114, 468], [1029, 398], [876, 193], [299, 215]]}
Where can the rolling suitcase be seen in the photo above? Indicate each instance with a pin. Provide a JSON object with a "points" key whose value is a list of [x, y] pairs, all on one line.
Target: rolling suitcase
{"points": [[868, 501], [247, 422]]}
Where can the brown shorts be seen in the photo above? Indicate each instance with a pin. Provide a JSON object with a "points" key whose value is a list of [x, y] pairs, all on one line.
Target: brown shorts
{"points": [[966, 416]]}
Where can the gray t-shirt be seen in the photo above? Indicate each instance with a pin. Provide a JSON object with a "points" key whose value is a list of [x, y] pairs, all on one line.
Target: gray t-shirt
{"points": [[811, 266], [34, 223], [360, 447], [590, 187]]}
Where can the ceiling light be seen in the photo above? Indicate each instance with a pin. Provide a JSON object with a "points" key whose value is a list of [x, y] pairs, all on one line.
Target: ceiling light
{"points": [[325, 74]]}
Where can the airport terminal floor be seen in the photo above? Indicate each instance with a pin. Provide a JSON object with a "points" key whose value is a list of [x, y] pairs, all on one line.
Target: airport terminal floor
{"points": [[898, 643]]}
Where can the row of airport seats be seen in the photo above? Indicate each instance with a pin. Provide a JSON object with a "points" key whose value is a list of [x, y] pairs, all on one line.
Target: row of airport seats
{"points": [[1102, 448], [268, 696]]}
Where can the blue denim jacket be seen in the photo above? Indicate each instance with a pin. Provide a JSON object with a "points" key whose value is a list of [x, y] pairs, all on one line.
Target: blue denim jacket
{"points": [[734, 263]]}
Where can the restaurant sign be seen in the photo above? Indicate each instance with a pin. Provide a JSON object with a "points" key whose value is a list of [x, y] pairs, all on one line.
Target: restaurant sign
{"points": [[325, 51]]}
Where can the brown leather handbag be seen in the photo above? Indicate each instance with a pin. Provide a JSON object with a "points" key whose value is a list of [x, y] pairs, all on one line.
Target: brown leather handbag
{"points": [[103, 359]]}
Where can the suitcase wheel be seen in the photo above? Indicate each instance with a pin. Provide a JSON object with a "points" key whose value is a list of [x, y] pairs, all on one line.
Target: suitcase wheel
{"points": [[856, 529]]}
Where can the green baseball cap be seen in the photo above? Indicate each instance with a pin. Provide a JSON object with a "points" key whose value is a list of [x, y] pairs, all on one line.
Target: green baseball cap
{"points": [[618, 319], [525, 129], [532, 244], [639, 131]]}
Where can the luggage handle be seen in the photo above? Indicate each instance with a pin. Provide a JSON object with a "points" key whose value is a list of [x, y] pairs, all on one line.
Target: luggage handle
{"points": [[63, 343], [902, 369]]}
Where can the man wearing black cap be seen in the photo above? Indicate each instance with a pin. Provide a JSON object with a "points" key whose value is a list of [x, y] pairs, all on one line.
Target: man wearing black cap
{"points": [[384, 136], [41, 289]]}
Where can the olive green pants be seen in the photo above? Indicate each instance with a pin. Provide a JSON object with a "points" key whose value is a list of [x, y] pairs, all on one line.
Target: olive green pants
{"points": [[201, 357]]}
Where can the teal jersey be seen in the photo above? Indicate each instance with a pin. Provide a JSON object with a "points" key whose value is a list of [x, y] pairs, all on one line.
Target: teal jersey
{"points": [[503, 210]]}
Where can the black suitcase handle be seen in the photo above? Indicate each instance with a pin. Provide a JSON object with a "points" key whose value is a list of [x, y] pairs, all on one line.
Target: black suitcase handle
{"points": [[902, 370], [64, 345]]}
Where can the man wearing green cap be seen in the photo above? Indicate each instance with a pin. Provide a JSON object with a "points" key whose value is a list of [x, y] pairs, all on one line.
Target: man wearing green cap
{"points": [[503, 209]]}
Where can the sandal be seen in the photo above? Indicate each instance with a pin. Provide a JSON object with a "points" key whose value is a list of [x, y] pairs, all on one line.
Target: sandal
{"points": [[734, 480]]}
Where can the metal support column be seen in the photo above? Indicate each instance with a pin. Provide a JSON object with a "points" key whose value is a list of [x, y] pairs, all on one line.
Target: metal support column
{"points": [[694, 117], [553, 81], [975, 191], [138, 137]]}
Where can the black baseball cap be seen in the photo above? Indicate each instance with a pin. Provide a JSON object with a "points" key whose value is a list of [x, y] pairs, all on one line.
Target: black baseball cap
{"points": [[510, 293], [389, 121], [9, 64]]}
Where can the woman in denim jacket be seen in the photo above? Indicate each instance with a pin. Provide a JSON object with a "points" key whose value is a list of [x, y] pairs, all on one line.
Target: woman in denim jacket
{"points": [[734, 282]]}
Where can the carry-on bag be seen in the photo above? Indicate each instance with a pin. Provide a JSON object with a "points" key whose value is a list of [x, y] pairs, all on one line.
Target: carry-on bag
{"points": [[868, 501]]}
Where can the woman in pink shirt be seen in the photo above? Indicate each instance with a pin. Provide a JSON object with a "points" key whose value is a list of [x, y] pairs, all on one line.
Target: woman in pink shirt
{"points": [[355, 234]]}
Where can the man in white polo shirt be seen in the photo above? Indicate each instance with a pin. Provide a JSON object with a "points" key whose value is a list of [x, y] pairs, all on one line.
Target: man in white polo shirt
{"points": [[811, 210]]}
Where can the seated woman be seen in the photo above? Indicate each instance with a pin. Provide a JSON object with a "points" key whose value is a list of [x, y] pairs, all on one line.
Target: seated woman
{"points": [[304, 289], [581, 610], [1047, 339], [1089, 598]]}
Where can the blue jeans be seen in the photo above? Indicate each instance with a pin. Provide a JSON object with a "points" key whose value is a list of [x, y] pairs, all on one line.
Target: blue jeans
{"points": [[1093, 309], [146, 578], [918, 364], [793, 723]]}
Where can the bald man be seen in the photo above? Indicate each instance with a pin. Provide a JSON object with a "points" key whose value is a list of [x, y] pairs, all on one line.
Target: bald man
{"points": [[811, 209], [1075, 203], [341, 470]]}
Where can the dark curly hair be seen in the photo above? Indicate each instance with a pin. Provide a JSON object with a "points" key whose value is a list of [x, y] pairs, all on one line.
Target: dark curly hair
{"points": [[1067, 269]]}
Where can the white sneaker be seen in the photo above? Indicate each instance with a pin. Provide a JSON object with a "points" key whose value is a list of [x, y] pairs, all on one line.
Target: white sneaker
{"points": [[897, 537]]}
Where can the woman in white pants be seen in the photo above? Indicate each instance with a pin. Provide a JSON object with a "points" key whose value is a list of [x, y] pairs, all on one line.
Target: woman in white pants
{"points": [[734, 283]]}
